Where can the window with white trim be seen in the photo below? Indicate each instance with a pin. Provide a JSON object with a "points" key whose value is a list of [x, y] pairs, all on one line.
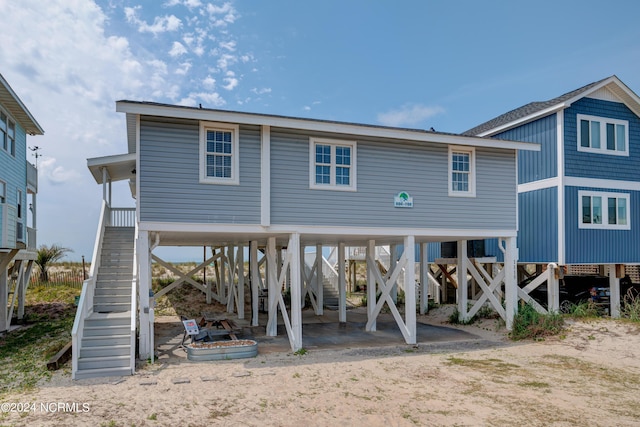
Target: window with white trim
{"points": [[332, 164], [20, 194], [3, 192], [219, 158], [462, 172], [603, 136], [603, 210], [7, 134]]}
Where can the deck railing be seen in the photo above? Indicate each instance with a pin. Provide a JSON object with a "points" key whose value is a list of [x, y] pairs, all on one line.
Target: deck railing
{"points": [[123, 217]]}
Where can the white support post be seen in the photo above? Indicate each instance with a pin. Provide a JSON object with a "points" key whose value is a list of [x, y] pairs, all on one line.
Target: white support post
{"points": [[510, 280], [26, 275], [462, 291], [240, 258], [274, 289], [319, 282], [231, 295], [255, 281], [144, 284], [393, 261], [553, 289], [371, 286], [296, 291], [410, 288], [424, 279], [222, 289], [342, 284], [614, 289]]}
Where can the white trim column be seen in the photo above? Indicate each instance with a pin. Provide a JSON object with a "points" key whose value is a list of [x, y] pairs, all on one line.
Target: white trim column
{"points": [[342, 284], [462, 290], [265, 175], [240, 288], [510, 280], [144, 285]]}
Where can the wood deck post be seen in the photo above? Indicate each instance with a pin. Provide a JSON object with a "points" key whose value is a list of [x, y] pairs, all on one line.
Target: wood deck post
{"points": [[553, 289], [614, 290], [144, 284], [240, 288], [342, 287], [510, 280], [254, 270], [424, 278], [410, 289], [371, 285], [296, 291], [274, 289], [319, 282], [462, 290]]}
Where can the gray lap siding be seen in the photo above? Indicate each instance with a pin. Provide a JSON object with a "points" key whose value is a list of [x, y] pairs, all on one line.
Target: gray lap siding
{"points": [[170, 190], [384, 168]]}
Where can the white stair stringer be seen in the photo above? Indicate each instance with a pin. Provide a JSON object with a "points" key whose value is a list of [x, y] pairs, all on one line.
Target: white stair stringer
{"points": [[105, 347]]}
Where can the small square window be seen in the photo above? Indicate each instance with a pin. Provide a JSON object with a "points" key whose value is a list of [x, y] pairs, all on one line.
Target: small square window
{"points": [[219, 153], [332, 163]]}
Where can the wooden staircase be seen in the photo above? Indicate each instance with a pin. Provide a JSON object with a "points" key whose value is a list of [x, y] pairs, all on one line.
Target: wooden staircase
{"points": [[105, 348]]}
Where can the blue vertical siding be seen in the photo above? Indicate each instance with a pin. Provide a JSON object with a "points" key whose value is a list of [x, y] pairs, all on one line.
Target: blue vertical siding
{"points": [[538, 226], [536, 165], [589, 246], [594, 165]]}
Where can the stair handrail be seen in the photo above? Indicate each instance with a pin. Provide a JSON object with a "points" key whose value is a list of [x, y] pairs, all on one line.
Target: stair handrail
{"points": [[85, 303], [134, 304]]}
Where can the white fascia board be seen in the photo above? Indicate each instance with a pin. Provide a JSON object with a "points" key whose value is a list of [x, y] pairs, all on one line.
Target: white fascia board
{"points": [[363, 232], [526, 119], [538, 185], [610, 184], [317, 125]]}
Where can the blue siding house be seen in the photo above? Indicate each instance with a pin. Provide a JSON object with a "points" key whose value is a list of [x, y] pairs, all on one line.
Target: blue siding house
{"points": [[18, 187], [275, 185], [579, 195]]}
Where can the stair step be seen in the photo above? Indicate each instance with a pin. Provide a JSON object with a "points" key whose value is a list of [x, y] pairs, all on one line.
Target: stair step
{"points": [[103, 372], [104, 362], [105, 350], [111, 299], [111, 308], [94, 322], [99, 341], [102, 331]]}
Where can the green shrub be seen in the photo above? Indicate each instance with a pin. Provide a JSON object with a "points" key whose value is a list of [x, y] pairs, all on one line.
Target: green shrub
{"points": [[583, 309], [529, 324], [630, 308]]}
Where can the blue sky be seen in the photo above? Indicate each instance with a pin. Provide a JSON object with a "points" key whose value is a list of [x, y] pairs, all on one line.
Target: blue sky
{"points": [[449, 65]]}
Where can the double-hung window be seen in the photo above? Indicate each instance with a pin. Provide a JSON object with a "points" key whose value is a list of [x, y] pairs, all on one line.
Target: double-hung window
{"points": [[219, 158], [604, 136], [332, 164], [7, 134], [603, 210], [462, 172]]}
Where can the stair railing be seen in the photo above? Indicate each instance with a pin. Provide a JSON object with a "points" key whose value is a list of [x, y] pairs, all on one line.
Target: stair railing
{"points": [[85, 303]]}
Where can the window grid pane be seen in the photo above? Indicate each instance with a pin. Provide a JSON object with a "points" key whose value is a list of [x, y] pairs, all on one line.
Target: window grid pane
{"points": [[611, 137], [622, 211], [460, 166], [586, 210], [595, 134], [597, 210], [613, 211], [621, 143], [219, 153]]}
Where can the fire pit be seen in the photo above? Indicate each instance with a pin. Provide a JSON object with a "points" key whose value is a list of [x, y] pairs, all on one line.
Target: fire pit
{"points": [[222, 350]]}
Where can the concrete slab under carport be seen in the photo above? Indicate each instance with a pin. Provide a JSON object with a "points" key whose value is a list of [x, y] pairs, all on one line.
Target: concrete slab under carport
{"points": [[326, 333]]}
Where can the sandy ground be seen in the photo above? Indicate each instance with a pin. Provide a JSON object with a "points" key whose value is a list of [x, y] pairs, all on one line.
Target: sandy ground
{"points": [[589, 376]]}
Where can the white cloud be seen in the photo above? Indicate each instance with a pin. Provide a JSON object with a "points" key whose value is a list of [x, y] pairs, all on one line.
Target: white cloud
{"points": [[230, 81], [177, 50], [261, 91], [209, 99], [161, 24], [209, 83], [229, 12], [409, 115], [306, 108], [230, 45], [183, 68], [226, 60], [56, 174]]}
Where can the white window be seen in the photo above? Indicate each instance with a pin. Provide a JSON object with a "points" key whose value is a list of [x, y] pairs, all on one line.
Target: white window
{"points": [[3, 192], [603, 210], [219, 158], [462, 172], [604, 136], [332, 164]]}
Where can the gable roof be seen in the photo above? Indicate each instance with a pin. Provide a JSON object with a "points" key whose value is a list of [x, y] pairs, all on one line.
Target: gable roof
{"points": [[535, 110], [17, 109]]}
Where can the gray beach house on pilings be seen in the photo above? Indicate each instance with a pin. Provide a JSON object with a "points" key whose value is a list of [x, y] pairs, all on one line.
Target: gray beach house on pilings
{"points": [[270, 186]]}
